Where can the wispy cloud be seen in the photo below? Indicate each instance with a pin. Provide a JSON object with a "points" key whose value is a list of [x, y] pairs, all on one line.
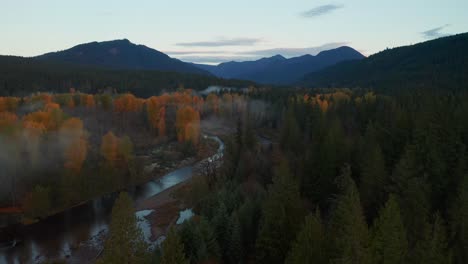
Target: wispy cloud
{"points": [[193, 52], [435, 32], [320, 10], [214, 57], [222, 42], [294, 52]]}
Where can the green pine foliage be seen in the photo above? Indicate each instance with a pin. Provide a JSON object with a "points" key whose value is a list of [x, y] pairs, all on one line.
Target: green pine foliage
{"points": [[173, 249], [125, 243], [310, 244], [348, 228], [388, 235], [281, 217]]}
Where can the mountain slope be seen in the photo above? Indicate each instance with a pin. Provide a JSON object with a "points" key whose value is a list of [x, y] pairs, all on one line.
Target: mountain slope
{"points": [[21, 76], [440, 63], [120, 54], [279, 70]]}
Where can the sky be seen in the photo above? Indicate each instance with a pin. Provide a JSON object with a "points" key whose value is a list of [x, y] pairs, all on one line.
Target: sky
{"points": [[214, 31]]}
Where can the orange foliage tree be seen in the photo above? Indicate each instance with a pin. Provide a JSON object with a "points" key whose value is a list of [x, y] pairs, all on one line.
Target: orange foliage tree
{"points": [[7, 120], [8, 104], [32, 132], [212, 102], [110, 147], [156, 112], [116, 151], [87, 100], [127, 103], [188, 125], [75, 145]]}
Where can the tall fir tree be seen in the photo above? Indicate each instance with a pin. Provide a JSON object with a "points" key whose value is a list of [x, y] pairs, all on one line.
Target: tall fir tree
{"points": [[310, 244], [433, 247], [173, 249], [348, 228], [282, 215], [459, 223], [388, 235], [125, 243], [373, 175]]}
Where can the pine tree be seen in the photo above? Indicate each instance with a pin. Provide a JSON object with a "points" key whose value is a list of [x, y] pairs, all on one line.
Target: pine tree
{"points": [[209, 237], [173, 249], [388, 235], [125, 243], [349, 234], [433, 248], [282, 215], [459, 223], [373, 175], [412, 190], [309, 246], [235, 249]]}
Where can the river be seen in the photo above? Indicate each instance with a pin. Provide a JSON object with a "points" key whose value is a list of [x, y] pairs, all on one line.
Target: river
{"points": [[84, 226]]}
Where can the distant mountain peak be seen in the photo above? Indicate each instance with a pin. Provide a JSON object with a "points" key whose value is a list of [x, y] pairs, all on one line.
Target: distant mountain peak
{"points": [[278, 57], [280, 70], [120, 54]]}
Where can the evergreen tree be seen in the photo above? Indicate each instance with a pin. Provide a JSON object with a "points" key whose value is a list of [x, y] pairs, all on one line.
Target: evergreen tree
{"points": [[459, 223], [235, 249], [412, 190], [310, 243], [173, 249], [220, 223], [125, 243], [388, 235], [209, 237], [373, 175], [282, 215], [350, 238], [433, 248], [194, 246]]}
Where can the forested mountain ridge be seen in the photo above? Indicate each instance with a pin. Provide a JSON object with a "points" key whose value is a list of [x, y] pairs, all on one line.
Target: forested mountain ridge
{"points": [[282, 71], [120, 54], [21, 76], [440, 64]]}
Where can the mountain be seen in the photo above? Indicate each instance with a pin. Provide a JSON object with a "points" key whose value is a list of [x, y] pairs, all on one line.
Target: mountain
{"points": [[441, 63], [234, 69], [279, 70], [120, 54], [21, 76]]}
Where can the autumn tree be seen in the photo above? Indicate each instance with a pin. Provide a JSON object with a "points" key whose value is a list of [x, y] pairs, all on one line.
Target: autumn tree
{"points": [[188, 125], [156, 113], [110, 148], [212, 102], [75, 144]]}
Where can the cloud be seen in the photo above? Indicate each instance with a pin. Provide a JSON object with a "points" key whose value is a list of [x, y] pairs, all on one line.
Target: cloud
{"points": [[320, 10], [192, 52], [214, 57], [222, 42], [435, 32], [294, 52]]}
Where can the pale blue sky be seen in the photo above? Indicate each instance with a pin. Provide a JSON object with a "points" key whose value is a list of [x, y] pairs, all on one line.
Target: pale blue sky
{"points": [[214, 30]]}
